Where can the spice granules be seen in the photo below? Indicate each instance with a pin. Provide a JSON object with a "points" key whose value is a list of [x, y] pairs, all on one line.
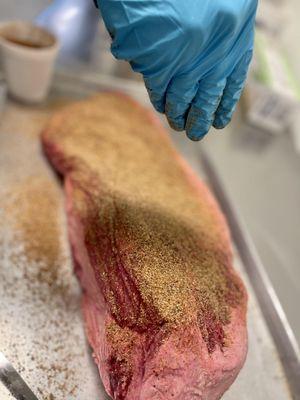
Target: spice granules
{"points": [[41, 330], [158, 242], [38, 297], [33, 206]]}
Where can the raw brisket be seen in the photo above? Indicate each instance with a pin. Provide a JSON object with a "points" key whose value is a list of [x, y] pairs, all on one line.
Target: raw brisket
{"points": [[165, 312]]}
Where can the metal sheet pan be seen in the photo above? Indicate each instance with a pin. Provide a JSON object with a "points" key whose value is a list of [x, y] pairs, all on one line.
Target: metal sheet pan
{"points": [[41, 328]]}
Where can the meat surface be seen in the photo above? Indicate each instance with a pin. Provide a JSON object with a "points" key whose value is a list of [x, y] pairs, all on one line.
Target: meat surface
{"points": [[165, 312]]}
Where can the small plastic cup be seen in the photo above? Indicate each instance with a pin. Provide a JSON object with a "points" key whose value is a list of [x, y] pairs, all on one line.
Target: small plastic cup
{"points": [[28, 56]]}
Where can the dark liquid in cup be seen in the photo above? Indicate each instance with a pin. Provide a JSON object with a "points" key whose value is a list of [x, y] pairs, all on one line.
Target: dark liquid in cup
{"points": [[25, 43]]}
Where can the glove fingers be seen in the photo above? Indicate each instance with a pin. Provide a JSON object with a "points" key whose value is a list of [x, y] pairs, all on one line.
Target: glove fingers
{"points": [[204, 106], [157, 100], [179, 97], [176, 113], [232, 92]]}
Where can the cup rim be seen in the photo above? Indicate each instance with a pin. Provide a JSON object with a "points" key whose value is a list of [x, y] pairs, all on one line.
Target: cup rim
{"points": [[26, 49]]}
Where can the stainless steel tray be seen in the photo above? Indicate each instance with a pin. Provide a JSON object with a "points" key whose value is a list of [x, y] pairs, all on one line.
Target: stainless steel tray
{"points": [[43, 335]]}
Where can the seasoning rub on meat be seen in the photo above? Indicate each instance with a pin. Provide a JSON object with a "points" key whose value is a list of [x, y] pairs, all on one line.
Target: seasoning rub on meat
{"points": [[165, 312]]}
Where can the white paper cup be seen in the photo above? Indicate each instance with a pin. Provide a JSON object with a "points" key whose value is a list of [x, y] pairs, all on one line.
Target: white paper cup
{"points": [[28, 56]]}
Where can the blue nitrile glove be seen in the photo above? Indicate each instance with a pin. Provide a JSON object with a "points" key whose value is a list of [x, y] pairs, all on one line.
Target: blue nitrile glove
{"points": [[193, 54]]}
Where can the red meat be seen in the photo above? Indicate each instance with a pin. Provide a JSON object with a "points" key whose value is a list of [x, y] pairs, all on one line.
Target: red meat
{"points": [[165, 312]]}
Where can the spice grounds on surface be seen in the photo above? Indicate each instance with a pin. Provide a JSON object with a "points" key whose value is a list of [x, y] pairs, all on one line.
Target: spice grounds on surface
{"points": [[37, 296], [33, 206], [156, 237], [122, 343], [41, 329]]}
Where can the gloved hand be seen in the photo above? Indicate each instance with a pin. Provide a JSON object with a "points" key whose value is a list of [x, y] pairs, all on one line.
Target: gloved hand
{"points": [[193, 54]]}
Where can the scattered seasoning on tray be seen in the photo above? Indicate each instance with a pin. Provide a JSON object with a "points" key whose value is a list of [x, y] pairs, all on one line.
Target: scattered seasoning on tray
{"points": [[41, 328], [34, 210], [39, 285]]}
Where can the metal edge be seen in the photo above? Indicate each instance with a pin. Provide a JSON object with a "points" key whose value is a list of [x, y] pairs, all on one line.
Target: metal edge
{"points": [[275, 317], [13, 381]]}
